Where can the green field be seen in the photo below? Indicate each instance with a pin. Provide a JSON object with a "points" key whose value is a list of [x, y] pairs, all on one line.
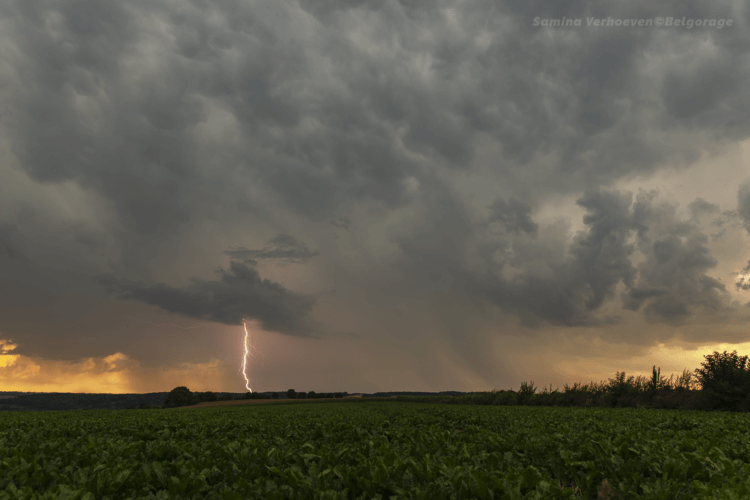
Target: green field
{"points": [[374, 450]]}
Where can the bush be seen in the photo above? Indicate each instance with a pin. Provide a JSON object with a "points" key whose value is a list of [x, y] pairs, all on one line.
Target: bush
{"points": [[291, 394]]}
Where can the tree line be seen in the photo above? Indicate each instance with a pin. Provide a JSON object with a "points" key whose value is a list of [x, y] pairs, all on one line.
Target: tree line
{"points": [[182, 396], [721, 384]]}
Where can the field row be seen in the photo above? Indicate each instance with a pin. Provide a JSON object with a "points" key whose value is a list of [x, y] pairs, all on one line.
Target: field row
{"points": [[374, 450]]}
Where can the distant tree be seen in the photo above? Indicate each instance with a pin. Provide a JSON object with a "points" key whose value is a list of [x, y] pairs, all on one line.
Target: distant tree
{"points": [[180, 396], [291, 394], [723, 367], [275, 395], [339, 395], [725, 380], [301, 395], [311, 395], [657, 381], [224, 397], [527, 389]]}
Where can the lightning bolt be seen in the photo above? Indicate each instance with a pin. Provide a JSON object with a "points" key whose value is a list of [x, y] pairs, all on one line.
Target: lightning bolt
{"points": [[244, 362]]}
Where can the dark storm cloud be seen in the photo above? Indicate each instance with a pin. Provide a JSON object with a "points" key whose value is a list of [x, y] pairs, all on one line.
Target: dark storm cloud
{"points": [[323, 104], [239, 295], [281, 247], [676, 258], [699, 207], [7, 250], [514, 215], [568, 290], [744, 283], [10, 243], [669, 285], [342, 222], [743, 203], [270, 67], [640, 294]]}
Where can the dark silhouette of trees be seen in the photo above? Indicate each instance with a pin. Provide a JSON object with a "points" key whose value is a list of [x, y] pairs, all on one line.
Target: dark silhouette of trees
{"points": [[275, 395], [254, 395], [180, 396], [291, 394], [51, 401], [725, 380], [205, 397]]}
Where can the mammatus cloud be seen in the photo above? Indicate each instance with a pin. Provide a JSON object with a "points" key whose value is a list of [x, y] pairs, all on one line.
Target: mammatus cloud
{"points": [[238, 295]]}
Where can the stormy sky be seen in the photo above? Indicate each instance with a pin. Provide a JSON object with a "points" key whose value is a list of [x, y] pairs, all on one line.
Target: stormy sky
{"points": [[393, 195]]}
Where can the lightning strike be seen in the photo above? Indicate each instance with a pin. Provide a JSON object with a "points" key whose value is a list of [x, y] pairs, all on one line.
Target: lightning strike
{"points": [[244, 362]]}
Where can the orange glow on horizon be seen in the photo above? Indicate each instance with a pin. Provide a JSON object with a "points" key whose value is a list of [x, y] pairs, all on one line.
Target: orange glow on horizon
{"points": [[113, 374]]}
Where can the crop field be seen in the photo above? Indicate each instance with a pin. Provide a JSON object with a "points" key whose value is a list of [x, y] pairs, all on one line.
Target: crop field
{"points": [[375, 450]]}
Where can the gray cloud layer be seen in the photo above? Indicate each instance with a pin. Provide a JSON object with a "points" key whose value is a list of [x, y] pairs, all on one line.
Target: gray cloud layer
{"points": [[242, 116]]}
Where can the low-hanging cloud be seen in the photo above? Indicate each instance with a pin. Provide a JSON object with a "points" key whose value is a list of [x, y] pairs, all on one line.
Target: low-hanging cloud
{"points": [[282, 246], [239, 295]]}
